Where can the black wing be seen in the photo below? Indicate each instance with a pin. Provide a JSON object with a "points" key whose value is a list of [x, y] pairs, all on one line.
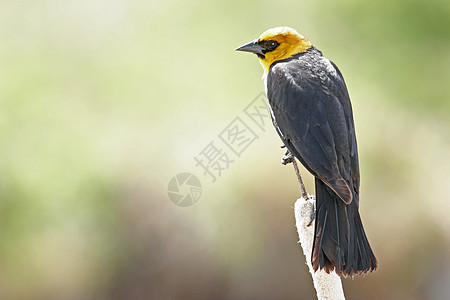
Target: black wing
{"points": [[313, 116]]}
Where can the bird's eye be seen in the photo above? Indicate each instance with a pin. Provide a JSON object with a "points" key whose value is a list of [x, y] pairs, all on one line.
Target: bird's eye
{"points": [[268, 46], [272, 45]]}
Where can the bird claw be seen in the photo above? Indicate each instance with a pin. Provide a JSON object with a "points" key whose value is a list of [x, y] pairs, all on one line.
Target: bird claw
{"points": [[313, 216], [287, 158]]}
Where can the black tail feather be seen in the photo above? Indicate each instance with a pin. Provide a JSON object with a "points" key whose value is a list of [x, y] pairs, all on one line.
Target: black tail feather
{"points": [[340, 242]]}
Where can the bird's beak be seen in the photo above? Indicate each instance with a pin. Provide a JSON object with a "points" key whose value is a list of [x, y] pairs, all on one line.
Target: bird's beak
{"points": [[252, 47]]}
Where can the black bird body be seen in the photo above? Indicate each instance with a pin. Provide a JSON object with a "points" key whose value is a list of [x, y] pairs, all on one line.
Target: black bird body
{"points": [[312, 113]]}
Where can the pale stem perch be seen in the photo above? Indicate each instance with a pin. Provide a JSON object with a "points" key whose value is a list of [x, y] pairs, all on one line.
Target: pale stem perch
{"points": [[328, 286]]}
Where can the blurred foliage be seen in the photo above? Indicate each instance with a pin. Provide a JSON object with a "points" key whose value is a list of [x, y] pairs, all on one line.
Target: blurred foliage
{"points": [[103, 102]]}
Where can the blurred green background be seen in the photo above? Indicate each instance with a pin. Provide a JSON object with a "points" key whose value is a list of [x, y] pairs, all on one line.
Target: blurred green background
{"points": [[103, 102]]}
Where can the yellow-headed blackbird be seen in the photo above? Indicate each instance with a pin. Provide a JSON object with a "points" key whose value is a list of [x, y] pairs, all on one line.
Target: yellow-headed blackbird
{"points": [[312, 113]]}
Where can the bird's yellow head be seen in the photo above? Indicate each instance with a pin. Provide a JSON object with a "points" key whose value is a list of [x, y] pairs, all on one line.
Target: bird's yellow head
{"points": [[276, 44]]}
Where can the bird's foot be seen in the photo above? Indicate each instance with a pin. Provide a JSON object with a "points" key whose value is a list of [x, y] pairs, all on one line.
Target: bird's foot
{"points": [[313, 216], [287, 158]]}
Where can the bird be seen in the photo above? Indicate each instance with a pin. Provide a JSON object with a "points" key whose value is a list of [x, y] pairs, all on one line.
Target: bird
{"points": [[311, 111]]}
